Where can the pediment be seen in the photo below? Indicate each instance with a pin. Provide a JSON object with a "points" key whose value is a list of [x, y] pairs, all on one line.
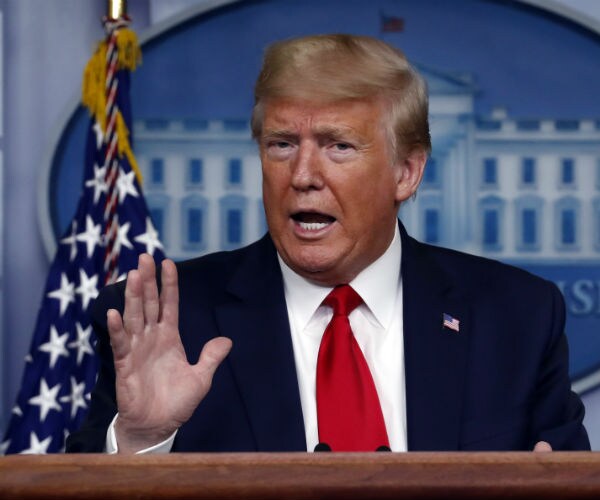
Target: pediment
{"points": [[442, 83]]}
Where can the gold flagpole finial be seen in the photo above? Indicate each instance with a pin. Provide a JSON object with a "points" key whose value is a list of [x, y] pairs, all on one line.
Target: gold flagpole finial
{"points": [[116, 15], [116, 9]]}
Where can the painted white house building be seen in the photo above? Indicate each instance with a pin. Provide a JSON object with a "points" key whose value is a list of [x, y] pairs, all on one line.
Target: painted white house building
{"points": [[525, 189]]}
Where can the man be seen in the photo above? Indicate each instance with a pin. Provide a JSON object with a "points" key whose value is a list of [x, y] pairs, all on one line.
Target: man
{"points": [[443, 351]]}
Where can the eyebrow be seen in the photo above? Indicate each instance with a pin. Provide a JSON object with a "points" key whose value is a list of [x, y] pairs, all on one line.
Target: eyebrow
{"points": [[278, 134], [337, 133], [321, 132]]}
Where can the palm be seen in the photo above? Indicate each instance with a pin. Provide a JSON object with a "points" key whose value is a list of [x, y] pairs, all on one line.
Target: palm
{"points": [[157, 388]]}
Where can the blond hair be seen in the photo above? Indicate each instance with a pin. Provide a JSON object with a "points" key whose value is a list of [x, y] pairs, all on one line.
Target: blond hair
{"points": [[327, 68]]}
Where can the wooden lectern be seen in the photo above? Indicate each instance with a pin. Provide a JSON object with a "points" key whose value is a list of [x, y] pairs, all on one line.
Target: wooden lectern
{"points": [[303, 476]]}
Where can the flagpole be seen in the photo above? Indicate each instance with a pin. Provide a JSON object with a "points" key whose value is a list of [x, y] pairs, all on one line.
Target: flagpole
{"points": [[118, 55]]}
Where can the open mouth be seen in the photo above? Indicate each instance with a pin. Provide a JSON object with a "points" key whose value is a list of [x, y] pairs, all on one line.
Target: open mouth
{"points": [[312, 221]]}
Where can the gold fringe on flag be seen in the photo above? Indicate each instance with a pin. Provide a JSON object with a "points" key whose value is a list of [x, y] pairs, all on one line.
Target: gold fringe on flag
{"points": [[93, 94], [130, 54], [94, 79]]}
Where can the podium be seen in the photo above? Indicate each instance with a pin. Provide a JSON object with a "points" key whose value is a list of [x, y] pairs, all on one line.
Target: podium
{"points": [[215, 476]]}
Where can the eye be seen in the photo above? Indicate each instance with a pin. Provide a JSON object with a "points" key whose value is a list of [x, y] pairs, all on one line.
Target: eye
{"points": [[279, 149], [278, 144], [342, 146]]}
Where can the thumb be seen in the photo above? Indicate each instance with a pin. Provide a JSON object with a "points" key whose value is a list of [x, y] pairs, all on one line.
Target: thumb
{"points": [[542, 446], [213, 353]]}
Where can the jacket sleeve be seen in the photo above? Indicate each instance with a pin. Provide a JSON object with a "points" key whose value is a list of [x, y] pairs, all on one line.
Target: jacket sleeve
{"points": [[557, 415]]}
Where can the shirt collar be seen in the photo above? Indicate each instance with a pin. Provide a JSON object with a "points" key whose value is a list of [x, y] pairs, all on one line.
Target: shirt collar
{"points": [[377, 284]]}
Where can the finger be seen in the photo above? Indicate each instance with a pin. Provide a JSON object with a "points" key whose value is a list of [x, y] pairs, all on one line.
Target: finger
{"points": [[150, 304], [213, 353], [133, 315], [169, 294], [542, 447], [119, 341]]}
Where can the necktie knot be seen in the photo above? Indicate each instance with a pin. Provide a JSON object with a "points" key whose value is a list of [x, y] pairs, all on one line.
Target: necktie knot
{"points": [[343, 299]]}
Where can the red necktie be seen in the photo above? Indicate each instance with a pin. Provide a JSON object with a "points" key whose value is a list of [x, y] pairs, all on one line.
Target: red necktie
{"points": [[348, 409]]}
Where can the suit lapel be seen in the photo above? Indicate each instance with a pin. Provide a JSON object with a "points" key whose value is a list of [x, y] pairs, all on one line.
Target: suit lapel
{"points": [[435, 357], [263, 364], [262, 357]]}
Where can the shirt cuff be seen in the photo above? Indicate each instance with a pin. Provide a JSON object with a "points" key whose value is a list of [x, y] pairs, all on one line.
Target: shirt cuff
{"points": [[112, 447]]}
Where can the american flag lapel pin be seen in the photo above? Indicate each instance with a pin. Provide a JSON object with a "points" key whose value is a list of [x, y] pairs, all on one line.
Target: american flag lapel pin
{"points": [[450, 322]]}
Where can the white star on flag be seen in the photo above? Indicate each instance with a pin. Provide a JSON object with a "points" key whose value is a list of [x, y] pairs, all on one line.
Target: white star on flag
{"points": [[72, 241], [83, 342], [149, 238], [65, 294], [76, 398], [98, 182], [37, 447], [91, 235], [121, 239], [125, 185], [17, 411], [46, 399], [55, 346], [88, 288]]}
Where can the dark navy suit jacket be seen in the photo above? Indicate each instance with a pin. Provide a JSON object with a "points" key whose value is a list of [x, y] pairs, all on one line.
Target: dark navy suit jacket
{"points": [[500, 383]]}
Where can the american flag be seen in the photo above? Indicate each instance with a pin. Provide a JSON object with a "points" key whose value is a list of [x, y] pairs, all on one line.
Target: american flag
{"points": [[111, 228], [451, 322], [391, 24]]}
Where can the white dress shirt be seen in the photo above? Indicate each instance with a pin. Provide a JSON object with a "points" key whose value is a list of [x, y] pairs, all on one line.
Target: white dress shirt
{"points": [[377, 327]]}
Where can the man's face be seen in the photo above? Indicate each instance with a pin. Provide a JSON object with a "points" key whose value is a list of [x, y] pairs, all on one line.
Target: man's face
{"points": [[330, 187]]}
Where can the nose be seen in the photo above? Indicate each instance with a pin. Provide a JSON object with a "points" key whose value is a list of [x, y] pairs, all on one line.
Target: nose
{"points": [[306, 168]]}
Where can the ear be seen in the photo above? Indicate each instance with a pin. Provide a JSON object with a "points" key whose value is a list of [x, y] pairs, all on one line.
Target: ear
{"points": [[409, 174]]}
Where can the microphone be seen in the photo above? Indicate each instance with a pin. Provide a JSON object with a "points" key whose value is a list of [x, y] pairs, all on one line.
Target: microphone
{"points": [[322, 447], [383, 448]]}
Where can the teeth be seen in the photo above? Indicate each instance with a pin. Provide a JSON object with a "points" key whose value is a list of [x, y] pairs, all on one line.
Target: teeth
{"points": [[313, 226]]}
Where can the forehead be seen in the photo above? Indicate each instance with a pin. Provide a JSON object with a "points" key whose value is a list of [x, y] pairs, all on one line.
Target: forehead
{"points": [[295, 115]]}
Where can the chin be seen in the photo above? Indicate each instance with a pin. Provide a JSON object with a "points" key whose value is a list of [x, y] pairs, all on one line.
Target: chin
{"points": [[317, 262], [319, 271], [309, 268]]}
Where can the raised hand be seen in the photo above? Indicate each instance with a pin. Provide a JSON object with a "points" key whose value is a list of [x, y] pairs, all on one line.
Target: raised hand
{"points": [[157, 389]]}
